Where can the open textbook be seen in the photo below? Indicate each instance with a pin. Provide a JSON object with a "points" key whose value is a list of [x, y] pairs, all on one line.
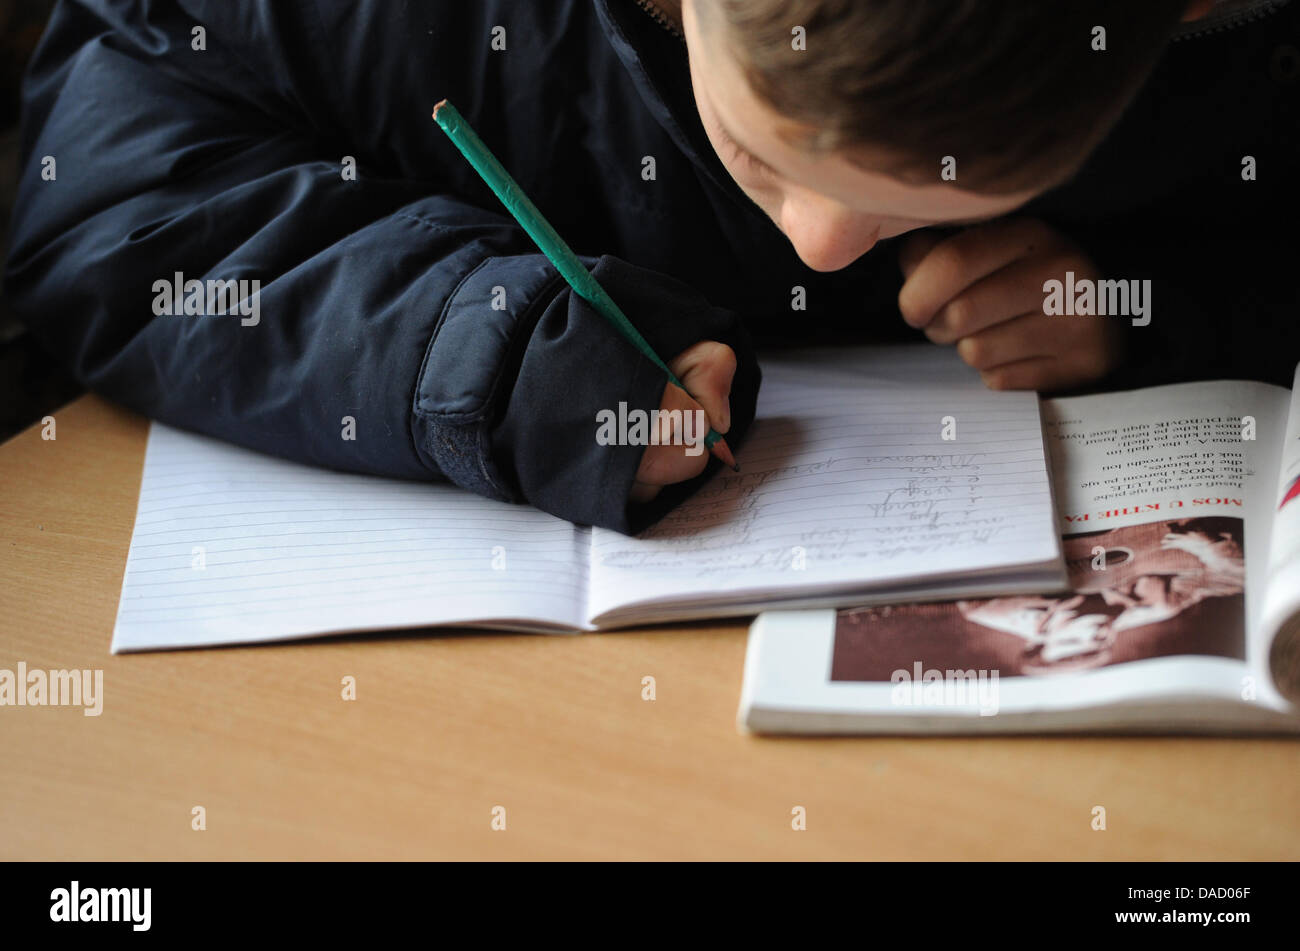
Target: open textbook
{"points": [[869, 473], [1180, 511]]}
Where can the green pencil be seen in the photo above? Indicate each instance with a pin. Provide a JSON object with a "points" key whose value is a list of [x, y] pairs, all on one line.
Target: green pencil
{"points": [[554, 247]]}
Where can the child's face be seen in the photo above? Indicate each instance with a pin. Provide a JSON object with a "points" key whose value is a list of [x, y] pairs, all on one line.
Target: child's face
{"points": [[832, 210]]}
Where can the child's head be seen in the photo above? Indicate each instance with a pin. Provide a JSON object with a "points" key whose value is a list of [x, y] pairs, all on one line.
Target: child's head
{"points": [[836, 116]]}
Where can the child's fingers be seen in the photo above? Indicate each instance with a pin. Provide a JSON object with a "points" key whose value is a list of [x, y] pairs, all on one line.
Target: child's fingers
{"points": [[643, 491], [1015, 289], [1035, 373], [1044, 374], [675, 459], [957, 262], [706, 370], [1034, 352], [914, 249], [1023, 337]]}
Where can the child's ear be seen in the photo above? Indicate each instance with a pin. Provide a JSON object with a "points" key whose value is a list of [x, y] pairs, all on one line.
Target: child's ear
{"points": [[1197, 9]]}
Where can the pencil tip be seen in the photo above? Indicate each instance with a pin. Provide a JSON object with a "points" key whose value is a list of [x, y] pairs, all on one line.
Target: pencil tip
{"points": [[735, 468], [723, 452], [437, 106]]}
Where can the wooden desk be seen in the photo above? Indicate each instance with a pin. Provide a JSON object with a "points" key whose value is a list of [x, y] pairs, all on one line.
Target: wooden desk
{"points": [[447, 726]]}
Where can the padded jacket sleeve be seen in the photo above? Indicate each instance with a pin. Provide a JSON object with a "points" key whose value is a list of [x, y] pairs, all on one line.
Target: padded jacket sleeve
{"points": [[455, 348]]}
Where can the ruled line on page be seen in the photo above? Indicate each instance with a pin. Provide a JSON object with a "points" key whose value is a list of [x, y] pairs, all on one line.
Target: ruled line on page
{"points": [[244, 546], [827, 492]]}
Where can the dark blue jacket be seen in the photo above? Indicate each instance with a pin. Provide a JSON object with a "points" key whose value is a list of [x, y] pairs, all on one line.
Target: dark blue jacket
{"points": [[376, 293]]}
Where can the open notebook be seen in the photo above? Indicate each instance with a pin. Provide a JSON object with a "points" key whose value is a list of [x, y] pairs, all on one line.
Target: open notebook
{"points": [[850, 493]]}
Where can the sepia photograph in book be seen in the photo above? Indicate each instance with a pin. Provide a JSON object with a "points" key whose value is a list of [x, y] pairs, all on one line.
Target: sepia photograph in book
{"points": [[1164, 588]]}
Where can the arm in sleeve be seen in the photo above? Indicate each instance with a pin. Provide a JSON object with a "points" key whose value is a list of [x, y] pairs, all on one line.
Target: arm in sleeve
{"points": [[455, 348]]}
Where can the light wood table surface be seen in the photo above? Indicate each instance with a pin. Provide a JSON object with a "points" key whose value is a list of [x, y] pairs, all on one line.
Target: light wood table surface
{"points": [[447, 726]]}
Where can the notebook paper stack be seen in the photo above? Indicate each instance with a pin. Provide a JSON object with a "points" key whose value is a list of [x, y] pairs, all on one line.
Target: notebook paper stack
{"points": [[870, 475]]}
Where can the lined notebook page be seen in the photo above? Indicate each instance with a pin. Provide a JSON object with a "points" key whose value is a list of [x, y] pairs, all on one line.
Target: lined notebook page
{"points": [[846, 477], [230, 545]]}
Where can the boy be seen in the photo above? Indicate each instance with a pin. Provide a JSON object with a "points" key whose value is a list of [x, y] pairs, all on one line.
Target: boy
{"points": [[717, 159]]}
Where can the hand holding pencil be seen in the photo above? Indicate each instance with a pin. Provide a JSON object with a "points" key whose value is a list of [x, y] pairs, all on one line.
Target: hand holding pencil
{"points": [[706, 371], [710, 365]]}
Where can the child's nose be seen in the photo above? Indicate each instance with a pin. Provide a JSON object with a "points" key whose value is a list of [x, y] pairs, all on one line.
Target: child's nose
{"points": [[826, 235]]}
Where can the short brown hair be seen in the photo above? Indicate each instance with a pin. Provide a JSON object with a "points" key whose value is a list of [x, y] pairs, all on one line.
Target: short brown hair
{"points": [[1014, 91]]}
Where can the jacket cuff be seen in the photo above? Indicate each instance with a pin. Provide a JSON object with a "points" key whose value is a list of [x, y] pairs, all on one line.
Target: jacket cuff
{"points": [[467, 368], [519, 368], [576, 364]]}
